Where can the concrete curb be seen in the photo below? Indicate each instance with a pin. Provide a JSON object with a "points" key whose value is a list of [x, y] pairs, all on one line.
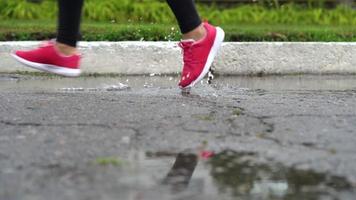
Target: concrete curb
{"points": [[235, 58]]}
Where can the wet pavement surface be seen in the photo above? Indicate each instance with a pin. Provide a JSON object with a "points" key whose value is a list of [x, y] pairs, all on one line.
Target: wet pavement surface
{"points": [[135, 138]]}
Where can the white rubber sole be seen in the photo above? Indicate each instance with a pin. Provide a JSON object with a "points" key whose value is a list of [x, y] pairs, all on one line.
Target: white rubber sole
{"points": [[49, 68], [219, 38]]}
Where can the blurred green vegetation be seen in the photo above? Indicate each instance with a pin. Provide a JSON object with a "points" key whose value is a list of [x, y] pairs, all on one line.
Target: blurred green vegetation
{"points": [[108, 31], [153, 11], [152, 20]]}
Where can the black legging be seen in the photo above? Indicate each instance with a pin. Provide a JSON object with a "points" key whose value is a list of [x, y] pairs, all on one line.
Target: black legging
{"points": [[70, 14]]}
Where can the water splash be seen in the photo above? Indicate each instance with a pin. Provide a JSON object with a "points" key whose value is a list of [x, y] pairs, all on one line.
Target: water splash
{"points": [[109, 88]]}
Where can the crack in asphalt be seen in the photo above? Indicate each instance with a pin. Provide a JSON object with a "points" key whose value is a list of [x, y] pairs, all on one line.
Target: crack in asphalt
{"points": [[194, 130], [270, 127], [217, 107]]}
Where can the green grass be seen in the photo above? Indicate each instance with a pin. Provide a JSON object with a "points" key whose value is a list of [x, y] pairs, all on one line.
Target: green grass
{"points": [[152, 20], [17, 30], [237, 112], [154, 11], [21, 30]]}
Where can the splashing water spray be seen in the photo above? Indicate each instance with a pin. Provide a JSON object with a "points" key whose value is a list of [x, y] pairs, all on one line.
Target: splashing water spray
{"points": [[211, 72], [186, 91], [211, 75]]}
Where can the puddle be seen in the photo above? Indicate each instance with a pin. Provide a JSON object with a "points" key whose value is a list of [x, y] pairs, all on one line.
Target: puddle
{"points": [[234, 175], [186, 175], [241, 177], [108, 88], [270, 83], [224, 175]]}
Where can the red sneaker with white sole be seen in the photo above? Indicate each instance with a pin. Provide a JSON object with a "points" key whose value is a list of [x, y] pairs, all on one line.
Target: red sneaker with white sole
{"points": [[199, 56], [47, 58]]}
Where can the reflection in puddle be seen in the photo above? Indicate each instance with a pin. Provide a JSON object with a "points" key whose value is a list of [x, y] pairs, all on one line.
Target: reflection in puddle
{"points": [[186, 175], [235, 174], [181, 173]]}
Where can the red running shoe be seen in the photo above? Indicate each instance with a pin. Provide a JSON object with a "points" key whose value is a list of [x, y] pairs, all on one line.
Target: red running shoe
{"points": [[47, 58], [198, 56]]}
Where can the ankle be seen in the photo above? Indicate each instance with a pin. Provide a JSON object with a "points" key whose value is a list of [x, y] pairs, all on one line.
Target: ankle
{"points": [[65, 49], [196, 34]]}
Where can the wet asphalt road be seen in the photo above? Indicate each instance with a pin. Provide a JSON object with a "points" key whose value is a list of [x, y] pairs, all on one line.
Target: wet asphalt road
{"points": [[94, 138]]}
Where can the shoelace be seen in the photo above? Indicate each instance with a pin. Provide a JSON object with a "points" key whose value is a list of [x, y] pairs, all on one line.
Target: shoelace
{"points": [[187, 53], [188, 56], [51, 42], [46, 43]]}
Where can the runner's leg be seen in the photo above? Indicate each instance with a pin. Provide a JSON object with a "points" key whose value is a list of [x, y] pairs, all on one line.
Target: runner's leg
{"points": [[69, 17], [188, 18], [200, 42], [60, 56], [186, 14]]}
